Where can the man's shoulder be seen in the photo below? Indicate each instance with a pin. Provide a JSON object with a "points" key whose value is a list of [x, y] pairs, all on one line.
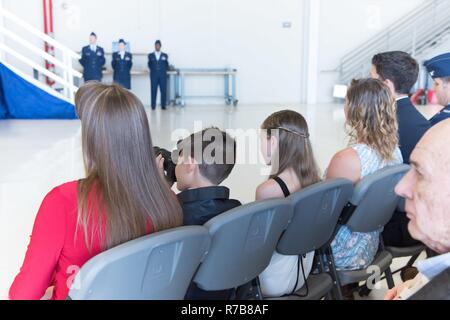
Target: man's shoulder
{"points": [[436, 289], [408, 113], [206, 202], [441, 116]]}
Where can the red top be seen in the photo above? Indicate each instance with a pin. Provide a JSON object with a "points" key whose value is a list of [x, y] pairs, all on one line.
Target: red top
{"points": [[57, 249]]}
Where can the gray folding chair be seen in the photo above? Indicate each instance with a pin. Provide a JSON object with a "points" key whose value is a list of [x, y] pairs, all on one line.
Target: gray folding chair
{"points": [[374, 202], [157, 267], [243, 242], [316, 213]]}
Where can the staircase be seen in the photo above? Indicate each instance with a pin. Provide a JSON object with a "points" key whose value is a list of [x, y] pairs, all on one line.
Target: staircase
{"points": [[64, 75], [423, 29]]}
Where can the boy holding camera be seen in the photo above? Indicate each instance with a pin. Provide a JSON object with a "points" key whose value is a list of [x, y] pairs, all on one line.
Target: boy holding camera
{"points": [[205, 160]]}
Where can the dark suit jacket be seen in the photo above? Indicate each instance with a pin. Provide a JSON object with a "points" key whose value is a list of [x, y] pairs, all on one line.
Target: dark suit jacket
{"points": [[122, 69], [158, 68], [437, 289], [201, 205], [93, 63], [443, 115], [412, 127]]}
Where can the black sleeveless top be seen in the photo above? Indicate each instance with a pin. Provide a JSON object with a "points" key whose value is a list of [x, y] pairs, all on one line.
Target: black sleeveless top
{"points": [[283, 186]]}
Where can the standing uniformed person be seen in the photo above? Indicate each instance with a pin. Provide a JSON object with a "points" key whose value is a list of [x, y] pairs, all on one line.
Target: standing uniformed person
{"points": [[439, 69], [122, 62], [158, 63], [93, 60]]}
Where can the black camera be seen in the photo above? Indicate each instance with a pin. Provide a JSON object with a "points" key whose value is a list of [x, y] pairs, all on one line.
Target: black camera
{"points": [[169, 164]]}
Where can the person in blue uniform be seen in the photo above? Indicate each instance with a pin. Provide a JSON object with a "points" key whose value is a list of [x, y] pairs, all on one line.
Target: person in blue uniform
{"points": [[122, 62], [93, 60], [439, 70], [158, 63]]}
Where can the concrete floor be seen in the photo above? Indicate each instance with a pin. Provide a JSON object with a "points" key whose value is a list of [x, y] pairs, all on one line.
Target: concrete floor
{"points": [[39, 155]]}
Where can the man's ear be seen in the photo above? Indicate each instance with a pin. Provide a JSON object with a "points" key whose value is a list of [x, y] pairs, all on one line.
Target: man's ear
{"points": [[391, 86]]}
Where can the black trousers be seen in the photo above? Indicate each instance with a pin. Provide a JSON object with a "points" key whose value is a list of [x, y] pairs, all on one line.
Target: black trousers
{"points": [[159, 81], [396, 232]]}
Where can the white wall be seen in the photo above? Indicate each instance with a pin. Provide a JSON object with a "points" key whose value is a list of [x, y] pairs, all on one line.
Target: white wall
{"points": [[344, 24], [246, 35], [438, 50]]}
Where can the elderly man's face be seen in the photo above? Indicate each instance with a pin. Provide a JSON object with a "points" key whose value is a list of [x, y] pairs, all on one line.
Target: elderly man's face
{"points": [[426, 189]]}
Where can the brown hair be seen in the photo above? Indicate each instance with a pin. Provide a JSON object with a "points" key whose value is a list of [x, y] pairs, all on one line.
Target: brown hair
{"points": [[372, 116], [294, 146], [215, 152], [398, 67], [123, 191]]}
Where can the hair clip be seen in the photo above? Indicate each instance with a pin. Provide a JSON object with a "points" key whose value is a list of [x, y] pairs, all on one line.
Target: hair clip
{"points": [[303, 135]]}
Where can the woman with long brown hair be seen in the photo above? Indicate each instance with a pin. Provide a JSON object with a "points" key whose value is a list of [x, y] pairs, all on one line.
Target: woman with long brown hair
{"points": [[122, 198], [286, 147], [371, 115]]}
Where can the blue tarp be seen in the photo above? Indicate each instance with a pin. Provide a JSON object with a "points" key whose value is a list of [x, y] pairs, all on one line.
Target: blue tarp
{"points": [[3, 111], [20, 99]]}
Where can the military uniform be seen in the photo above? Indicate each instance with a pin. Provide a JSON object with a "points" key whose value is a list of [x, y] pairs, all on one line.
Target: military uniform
{"points": [[441, 116], [122, 65], [158, 63], [93, 62], [439, 67]]}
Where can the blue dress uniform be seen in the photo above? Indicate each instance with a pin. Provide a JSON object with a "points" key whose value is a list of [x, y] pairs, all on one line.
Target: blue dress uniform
{"points": [[93, 63], [122, 69], [441, 116], [439, 67], [158, 76]]}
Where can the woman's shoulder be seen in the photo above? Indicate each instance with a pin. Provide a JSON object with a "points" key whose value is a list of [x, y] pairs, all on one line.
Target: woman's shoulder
{"points": [[58, 203], [345, 164], [268, 190], [346, 155], [66, 191], [348, 159]]}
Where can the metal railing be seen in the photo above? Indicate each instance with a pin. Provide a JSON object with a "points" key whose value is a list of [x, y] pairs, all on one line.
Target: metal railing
{"points": [[66, 75], [422, 29]]}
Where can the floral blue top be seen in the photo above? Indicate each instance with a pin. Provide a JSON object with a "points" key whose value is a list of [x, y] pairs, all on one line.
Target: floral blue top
{"points": [[353, 250]]}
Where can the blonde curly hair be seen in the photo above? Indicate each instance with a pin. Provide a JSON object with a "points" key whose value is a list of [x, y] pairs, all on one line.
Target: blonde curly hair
{"points": [[372, 116]]}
